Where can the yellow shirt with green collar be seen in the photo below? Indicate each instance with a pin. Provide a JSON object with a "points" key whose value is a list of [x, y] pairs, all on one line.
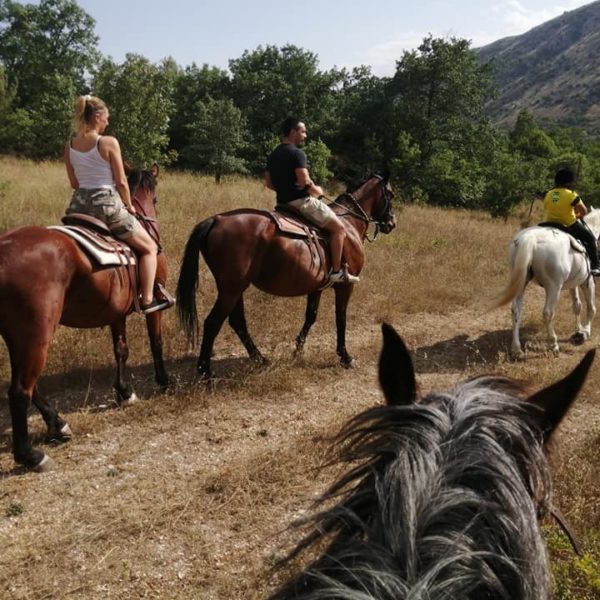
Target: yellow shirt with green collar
{"points": [[559, 206]]}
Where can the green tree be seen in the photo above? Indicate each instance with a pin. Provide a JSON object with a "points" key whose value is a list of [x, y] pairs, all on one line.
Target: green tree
{"points": [[271, 83], [438, 93], [361, 139], [318, 156], [192, 84], [529, 140], [15, 123], [217, 134], [138, 95], [46, 50]]}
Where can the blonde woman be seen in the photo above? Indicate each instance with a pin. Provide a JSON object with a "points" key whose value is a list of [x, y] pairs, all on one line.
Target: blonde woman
{"points": [[95, 169]]}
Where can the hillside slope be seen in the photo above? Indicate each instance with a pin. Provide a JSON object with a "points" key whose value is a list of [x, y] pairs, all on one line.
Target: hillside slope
{"points": [[552, 71]]}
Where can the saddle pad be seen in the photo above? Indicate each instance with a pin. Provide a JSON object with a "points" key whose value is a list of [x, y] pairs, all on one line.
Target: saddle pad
{"points": [[106, 251]]}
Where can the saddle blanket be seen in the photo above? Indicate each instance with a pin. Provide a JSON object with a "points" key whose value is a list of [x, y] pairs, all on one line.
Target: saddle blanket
{"points": [[106, 250]]}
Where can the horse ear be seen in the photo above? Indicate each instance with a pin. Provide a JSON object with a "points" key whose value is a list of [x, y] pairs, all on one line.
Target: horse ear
{"points": [[396, 372], [127, 168], [154, 171], [552, 403]]}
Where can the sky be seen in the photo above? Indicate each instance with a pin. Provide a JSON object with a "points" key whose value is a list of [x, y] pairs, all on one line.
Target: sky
{"points": [[342, 33]]}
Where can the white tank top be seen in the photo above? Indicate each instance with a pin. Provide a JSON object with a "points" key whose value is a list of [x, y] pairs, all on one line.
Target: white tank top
{"points": [[91, 170]]}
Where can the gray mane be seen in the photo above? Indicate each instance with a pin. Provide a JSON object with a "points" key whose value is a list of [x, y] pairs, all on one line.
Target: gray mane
{"points": [[441, 501]]}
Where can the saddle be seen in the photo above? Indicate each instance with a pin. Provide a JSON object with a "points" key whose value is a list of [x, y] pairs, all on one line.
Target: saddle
{"points": [[97, 241], [290, 222], [575, 243]]}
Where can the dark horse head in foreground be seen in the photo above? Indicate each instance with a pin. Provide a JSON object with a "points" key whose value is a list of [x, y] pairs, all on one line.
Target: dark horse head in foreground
{"points": [[443, 495], [244, 247], [47, 280]]}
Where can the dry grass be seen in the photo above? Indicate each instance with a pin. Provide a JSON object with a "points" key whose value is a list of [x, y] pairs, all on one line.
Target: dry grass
{"points": [[186, 494]]}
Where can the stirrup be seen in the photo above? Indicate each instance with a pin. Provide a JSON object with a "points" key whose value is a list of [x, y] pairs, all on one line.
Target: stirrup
{"points": [[160, 292], [155, 306]]}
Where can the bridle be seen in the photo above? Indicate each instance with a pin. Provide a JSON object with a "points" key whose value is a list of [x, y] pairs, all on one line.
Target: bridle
{"points": [[381, 223]]}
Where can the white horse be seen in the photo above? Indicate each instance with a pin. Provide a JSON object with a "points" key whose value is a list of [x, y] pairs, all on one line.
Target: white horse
{"points": [[555, 260]]}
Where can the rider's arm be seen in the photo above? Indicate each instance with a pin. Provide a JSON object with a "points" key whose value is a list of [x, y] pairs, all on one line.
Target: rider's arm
{"points": [[269, 181], [580, 208], [70, 173], [110, 145], [304, 181]]}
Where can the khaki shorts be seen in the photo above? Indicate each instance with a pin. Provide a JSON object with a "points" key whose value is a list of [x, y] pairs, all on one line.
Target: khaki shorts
{"points": [[314, 210], [105, 204]]}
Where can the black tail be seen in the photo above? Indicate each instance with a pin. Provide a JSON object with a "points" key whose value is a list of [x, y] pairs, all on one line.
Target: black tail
{"points": [[187, 286]]}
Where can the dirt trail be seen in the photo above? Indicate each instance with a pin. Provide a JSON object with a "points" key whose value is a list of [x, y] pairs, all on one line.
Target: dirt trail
{"points": [[184, 496]]}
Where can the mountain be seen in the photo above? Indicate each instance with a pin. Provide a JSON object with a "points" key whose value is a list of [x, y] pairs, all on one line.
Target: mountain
{"points": [[552, 71]]}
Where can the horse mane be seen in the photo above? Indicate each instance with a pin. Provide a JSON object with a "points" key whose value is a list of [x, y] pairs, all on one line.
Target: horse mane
{"points": [[137, 178], [440, 500], [593, 219]]}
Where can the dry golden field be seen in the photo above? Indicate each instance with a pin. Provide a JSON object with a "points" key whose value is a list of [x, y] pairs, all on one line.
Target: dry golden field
{"points": [[187, 495]]}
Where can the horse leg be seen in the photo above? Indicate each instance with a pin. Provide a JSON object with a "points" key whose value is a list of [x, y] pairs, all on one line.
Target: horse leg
{"points": [[584, 331], [580, 334], [342, 296], [237, 320], [212, 325], [124, 392], [26, 365], [153, 326], [58, 428], [516, 309], [310, 316], [552, 294]]}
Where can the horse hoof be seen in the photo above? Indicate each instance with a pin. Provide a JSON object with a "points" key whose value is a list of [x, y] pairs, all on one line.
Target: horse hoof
{"points": [[45, 465], [518, 356], [204, 371], [261, 361], [64, 434], [133, 399], [578, 338]]}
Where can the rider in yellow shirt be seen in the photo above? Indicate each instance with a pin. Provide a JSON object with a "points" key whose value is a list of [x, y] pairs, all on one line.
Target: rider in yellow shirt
{"points": [[564, 207]]}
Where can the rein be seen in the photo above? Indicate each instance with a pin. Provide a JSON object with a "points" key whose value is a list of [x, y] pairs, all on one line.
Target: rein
{"points": [[361, 214], [564, 525]]}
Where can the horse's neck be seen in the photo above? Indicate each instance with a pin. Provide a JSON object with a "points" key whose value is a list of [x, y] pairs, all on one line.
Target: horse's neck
{"points": [[358, 202], [593, 221]]}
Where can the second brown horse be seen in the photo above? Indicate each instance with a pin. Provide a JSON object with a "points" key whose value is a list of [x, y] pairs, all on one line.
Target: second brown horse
{"points": [[244, 247], [47, 280]]}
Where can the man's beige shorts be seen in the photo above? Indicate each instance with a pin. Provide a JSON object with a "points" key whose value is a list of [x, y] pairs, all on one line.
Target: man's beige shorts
{"points": [[314, 210]]}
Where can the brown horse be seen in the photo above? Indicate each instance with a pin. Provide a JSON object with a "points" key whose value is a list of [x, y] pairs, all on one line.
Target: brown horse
{"points": [[47, 280], [244, 247]]}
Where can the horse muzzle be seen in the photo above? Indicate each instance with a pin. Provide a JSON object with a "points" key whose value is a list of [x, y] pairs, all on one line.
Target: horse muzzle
{"points": [[387, 227]]}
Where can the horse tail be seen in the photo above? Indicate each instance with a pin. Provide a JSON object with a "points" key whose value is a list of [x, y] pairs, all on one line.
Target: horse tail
{"points": [[187, 286], [519, 270]]}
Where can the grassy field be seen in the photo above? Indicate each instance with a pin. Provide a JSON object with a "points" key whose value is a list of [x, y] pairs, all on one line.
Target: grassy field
{"points": [[188, 493]]}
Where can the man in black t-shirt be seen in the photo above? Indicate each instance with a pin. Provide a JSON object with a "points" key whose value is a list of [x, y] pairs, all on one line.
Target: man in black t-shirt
{"points": [[287, 174]]}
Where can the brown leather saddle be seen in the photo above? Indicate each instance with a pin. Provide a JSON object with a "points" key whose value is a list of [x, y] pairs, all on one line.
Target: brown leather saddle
{"points": [[290, 222], [97, 241]]}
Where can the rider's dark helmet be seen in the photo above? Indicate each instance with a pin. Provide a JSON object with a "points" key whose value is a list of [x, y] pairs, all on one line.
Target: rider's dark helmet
{"points": [[564, 176]]}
